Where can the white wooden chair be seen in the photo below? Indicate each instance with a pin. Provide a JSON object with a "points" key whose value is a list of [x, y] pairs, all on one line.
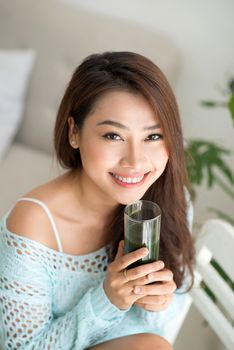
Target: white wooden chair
{"points": [[216, 242]]}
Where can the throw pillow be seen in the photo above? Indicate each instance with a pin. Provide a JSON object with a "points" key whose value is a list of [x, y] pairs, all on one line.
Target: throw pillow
{"points": [[15, 69]]}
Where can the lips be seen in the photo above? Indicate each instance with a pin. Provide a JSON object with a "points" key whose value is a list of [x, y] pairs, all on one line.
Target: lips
{"points": [[128, 181]]}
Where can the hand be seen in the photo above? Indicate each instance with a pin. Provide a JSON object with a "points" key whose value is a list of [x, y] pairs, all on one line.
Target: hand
{"points": [[160, 294], [121, 289]]}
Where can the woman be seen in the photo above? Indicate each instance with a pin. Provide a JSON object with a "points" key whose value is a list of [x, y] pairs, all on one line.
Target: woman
{"points": [[64, 283]]}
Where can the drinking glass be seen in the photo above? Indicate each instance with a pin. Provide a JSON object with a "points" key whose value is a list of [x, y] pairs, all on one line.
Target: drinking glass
{"points": [[142, 221]]}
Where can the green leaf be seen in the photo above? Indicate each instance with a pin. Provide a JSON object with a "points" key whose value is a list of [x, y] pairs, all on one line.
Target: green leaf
{"points": [[229, 191], [210, 176], [209, 103], [231, 106], [203, 158], [231, 85]]}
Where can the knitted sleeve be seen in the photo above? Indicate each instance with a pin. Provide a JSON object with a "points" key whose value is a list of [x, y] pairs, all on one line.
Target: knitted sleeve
{"points": [[26, 297]]}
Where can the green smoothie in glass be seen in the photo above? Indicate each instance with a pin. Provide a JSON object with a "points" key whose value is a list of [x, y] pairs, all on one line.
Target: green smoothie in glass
{"points": [[142, 229]]}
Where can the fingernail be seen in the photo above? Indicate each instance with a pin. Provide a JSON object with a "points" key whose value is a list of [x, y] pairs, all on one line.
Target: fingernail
{"points": [[137, 290], [145, 251], [161, 264], [150, 276]]}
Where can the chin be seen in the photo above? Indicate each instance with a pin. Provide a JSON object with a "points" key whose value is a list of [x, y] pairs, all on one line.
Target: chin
{"points": [[129, 200]]}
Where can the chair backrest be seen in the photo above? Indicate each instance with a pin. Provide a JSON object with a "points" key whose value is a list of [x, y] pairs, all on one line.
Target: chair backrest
{"points": [[215, 250]]}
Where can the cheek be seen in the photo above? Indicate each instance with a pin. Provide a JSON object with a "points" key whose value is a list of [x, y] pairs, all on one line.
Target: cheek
{"points": [[165, 157], [97, 155], [161, 158]]}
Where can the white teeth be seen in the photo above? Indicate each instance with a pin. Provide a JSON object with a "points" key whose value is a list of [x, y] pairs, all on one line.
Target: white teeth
{"points": [[128, 180]]}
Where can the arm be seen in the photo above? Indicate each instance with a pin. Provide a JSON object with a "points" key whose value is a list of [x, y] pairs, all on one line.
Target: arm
{"points": [[26, 290]]}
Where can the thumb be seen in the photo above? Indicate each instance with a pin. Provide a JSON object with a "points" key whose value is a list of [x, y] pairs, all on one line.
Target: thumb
{"points": [[120, 251]]}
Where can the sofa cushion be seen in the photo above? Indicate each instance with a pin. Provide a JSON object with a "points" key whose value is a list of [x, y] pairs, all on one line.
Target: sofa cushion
{"points": [[15, 69], [22, 170]]}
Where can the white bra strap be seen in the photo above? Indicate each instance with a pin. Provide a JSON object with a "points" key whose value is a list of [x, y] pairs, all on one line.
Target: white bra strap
{"points": [[44, 206]]}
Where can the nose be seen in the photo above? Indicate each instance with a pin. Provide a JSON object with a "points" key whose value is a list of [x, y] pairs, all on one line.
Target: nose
{"points": [[134, 157]]}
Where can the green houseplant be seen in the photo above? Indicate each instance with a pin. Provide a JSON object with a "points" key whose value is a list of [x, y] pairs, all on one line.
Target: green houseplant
{"points": [[203, 158]]}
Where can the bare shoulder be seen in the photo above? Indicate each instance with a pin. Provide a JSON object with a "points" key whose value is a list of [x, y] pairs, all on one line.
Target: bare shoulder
{"points": [[29, 219]]}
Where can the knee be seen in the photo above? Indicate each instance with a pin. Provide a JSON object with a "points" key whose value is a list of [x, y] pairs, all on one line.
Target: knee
{"points": [[149, 341]]}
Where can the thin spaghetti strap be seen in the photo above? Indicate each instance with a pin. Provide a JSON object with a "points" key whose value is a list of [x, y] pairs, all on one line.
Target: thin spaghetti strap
{"points": [[44, 206]]}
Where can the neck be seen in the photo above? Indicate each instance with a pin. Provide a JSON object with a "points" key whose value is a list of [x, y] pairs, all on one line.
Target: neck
{"points": [[91, 203]]}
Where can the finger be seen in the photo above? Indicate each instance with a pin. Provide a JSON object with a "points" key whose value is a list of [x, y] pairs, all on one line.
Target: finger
{"points": [[141, 305], [153, 307], [156, 289], [164, 275], [156, 299], [120, 251], [124, 261], [143, 270]]}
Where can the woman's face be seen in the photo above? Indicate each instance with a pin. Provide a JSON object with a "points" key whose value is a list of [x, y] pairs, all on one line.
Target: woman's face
{"points": [[122, 148]]}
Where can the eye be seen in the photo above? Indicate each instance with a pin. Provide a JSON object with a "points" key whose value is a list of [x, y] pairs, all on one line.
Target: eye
{"points": [[112, 136], [154, 137]]}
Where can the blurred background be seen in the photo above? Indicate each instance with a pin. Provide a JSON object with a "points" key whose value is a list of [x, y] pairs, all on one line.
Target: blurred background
{"points": [[192, 41]]}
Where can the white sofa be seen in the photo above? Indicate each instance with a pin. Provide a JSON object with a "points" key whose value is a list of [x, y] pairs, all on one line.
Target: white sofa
{"points": [[61, 37]]}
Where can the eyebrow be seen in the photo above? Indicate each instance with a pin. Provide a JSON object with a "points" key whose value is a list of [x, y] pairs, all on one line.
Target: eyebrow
{"points": [[121, 126]]}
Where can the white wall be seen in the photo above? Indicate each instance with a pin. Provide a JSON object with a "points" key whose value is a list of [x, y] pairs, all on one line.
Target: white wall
{"points": [[203, 31]]}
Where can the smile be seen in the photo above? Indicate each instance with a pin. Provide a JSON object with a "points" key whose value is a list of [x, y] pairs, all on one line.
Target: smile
{"points": [[128, 181]]}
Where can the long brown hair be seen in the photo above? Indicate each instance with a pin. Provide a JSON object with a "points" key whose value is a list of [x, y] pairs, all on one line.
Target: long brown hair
{"points": [[99, 74]]}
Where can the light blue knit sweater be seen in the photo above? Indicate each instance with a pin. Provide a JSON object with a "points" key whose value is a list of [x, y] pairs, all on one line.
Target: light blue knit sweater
{"points": [[52, 300]]}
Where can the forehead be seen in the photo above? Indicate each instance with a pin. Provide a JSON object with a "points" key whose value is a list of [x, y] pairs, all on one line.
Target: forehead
{"points": [[123, 106]]}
